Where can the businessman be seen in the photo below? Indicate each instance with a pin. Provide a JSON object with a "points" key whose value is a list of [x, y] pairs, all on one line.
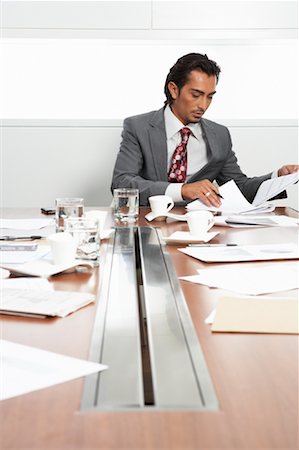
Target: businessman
{"points": [[174, 151]]}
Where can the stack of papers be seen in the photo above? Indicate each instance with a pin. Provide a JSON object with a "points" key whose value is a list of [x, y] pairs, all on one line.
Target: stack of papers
{"points": [[26, 227], [250, 279], [25, 369], [257, 221], [9, 253], [234, 201], [243, 253], [42, 302]]}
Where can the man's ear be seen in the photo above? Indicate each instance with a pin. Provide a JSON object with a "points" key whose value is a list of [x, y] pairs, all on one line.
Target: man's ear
{"points": [[173, 89]]}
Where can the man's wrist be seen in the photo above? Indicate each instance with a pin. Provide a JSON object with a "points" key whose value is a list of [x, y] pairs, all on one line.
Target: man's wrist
{"points": [[174, 190]]}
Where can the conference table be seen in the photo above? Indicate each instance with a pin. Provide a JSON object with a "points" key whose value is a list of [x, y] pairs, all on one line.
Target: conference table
{"points": [[254, 375]]}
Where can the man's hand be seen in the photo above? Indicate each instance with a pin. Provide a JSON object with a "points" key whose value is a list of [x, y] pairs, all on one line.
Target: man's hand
{"points": [[203, 190], [286, 170]]}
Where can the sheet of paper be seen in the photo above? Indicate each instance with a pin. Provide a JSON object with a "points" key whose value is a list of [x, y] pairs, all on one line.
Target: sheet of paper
{"points": [[257, 315], [27, 283], [43, 302], [272, 187], [25, 224], [45, 268], [233, 201], [26, 369], [259, 220], [249, 279], [240, 253], [21, 257]]}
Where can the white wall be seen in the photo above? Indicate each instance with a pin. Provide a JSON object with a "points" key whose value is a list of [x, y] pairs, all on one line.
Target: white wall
{"points": [[68, 67]]}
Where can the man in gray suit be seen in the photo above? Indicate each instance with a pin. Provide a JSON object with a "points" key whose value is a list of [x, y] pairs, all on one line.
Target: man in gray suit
{"points": [[174, 151]]}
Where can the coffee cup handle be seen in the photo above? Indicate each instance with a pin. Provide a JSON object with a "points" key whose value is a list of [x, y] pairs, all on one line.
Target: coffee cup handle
{"points": [[170, 204]]}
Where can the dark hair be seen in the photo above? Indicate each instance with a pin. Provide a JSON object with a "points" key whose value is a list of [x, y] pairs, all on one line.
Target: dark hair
{"points": [[180, 71]]}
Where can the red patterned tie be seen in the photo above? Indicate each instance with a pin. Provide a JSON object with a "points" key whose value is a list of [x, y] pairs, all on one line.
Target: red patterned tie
{"points": [[178, 167]]}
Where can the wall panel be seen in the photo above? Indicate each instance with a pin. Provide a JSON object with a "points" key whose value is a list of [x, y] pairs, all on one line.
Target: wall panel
{"points": [[184, 15], [73, 159], [76, 14]]}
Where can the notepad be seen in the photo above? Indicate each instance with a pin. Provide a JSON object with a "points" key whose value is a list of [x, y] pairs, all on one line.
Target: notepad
{"points": [[257, 315]]}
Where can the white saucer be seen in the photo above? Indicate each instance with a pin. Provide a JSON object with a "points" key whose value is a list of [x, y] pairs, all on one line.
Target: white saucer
{"points": [[151, 216], [4, 273], [184, 237]]}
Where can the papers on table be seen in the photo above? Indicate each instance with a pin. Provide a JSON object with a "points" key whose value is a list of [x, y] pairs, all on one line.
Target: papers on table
{"points": [[257, 315], [26, 369], [42, 302], [11, 229], [25, 224], [260, 221], [243, 252], [233, 202], [250, 279], [27, 283], [23, 256], [272, 187]]}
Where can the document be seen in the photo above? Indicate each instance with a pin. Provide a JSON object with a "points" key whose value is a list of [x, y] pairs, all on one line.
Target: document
{"points": [[233, 202], [27, 283], [26, 224], [262, 221], [240, 253], [17, 229], [26, 369], [250, 279], [42, 302], [256, 315], [269, 188], [20, 257]]}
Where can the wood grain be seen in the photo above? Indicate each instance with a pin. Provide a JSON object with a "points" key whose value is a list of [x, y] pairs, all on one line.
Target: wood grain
{"points": [[255, 378]]}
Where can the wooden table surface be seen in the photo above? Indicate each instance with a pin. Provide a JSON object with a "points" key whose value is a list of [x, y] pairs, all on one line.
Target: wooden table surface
{"points": [[255, 375]]}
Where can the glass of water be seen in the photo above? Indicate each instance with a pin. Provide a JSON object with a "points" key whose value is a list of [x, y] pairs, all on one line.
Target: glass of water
{"points": [[86, 233], [126, 205], [68, 207]]}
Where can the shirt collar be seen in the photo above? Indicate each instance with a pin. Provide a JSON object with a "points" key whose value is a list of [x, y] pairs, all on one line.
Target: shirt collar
{"points": [[173, 125]]}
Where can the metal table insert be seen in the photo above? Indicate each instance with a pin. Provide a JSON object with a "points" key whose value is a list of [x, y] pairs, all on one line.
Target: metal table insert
{"points": [[144, 333]]}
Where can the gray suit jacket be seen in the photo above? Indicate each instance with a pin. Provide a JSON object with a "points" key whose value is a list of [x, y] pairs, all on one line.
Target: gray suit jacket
{"points": [[142, 160]]}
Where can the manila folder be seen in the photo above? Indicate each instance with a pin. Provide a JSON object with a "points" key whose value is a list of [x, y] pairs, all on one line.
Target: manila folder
{"points": [[257, 315]]}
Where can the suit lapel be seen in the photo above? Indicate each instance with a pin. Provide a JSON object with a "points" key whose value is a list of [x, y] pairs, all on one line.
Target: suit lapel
{"points": [[158, 144]]}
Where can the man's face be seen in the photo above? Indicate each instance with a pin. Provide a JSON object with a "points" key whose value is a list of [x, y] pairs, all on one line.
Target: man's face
{"points": [[191, 102]]}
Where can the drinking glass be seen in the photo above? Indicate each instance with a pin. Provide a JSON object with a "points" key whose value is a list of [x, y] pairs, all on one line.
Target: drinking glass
{"points": [[126, 205], [68, 207], [86, 233]]}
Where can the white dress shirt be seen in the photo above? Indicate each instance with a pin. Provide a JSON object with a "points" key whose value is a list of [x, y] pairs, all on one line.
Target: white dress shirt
{"points": [[196, 149]]}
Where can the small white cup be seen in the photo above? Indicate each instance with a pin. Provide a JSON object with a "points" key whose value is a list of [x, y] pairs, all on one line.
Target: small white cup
{"points": [[200, 222], [63, 247], [160, 205]]}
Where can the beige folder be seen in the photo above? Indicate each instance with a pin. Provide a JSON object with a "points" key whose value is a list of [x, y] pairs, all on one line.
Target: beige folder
{"points": [[257, 315]]}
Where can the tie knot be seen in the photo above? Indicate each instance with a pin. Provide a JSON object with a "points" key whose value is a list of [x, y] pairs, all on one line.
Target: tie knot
{"points": [[185, 132]]}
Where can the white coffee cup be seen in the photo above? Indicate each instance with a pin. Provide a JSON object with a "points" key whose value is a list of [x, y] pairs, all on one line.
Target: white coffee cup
{"points": [[199, 222], [160, 205], [63, 247]]}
